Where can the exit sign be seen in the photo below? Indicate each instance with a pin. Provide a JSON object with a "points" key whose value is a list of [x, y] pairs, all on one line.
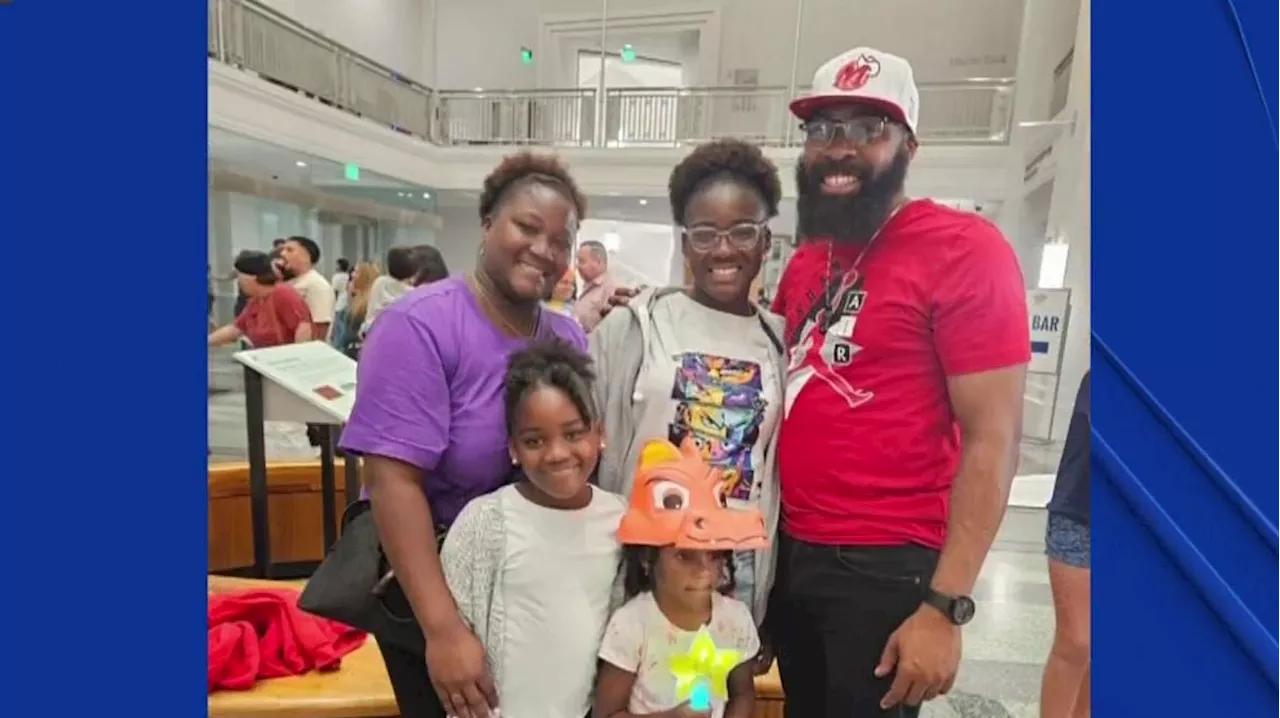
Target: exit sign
{"points": [[353, 172], [628, 53]]}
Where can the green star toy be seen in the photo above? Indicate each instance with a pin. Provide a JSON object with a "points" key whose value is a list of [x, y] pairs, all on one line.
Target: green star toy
{"points": [[703, 671]]}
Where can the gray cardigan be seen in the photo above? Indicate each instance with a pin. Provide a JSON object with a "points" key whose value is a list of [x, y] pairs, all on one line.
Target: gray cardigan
{"points": [[471, 559], [618, 347]]}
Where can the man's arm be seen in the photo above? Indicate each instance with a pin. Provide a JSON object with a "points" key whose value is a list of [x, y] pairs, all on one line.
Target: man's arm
{"points": [[988, 407]]}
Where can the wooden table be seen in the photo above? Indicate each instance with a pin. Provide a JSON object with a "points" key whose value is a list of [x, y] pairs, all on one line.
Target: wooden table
{"points": [[360, 689]]}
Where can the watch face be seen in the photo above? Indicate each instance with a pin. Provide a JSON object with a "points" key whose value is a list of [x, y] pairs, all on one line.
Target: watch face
{"points": [[962, 610]]}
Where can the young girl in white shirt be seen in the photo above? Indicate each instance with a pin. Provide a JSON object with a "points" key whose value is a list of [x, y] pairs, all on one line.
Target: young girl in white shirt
{"points": [[656, 659], [533, 565]]}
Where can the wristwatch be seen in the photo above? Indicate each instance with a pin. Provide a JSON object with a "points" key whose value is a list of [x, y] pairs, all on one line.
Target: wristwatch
{"points": [[958, 609]]}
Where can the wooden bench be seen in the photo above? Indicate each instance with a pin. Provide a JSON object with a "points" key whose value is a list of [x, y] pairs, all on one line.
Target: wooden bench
{"points": [[360, 688], [294, 502]]}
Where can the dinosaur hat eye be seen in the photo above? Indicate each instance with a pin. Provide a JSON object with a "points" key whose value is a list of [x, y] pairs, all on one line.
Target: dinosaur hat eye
{"points": [[670, 496]]}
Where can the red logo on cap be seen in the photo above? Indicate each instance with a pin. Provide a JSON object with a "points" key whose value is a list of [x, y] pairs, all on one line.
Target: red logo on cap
{"points": [[856, 73]]}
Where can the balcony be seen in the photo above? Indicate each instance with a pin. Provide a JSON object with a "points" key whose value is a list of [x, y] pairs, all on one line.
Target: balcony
{"points": [[251, 37]]}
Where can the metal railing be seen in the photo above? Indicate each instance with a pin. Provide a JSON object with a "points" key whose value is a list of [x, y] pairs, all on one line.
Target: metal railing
{"points": [[250, 36]]}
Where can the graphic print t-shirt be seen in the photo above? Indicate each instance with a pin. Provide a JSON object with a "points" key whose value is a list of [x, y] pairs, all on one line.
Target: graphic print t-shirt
{"points": [[708, 375]]}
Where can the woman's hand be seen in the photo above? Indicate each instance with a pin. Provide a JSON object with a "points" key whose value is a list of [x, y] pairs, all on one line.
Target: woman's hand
{"points": [[455, 663]]}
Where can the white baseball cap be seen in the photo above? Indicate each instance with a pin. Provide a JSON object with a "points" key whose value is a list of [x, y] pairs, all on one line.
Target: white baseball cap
{"points": [[864, 76]]}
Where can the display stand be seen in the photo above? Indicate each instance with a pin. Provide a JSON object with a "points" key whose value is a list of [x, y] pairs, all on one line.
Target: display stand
{"points": [[310, 383], [1049, 311]]}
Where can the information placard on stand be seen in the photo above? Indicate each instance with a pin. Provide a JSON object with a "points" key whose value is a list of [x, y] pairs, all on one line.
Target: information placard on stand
{"points": [[1048, 311], [310, 383]]}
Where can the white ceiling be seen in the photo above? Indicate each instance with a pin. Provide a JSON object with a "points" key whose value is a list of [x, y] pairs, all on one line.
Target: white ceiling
{"points": [[263, 161]]}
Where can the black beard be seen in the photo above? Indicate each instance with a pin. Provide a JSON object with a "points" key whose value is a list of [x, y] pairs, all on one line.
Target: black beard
{"points": [[848, 218]]}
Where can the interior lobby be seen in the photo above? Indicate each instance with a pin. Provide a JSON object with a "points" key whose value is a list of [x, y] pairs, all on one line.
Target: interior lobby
{"points": [[369, 125]]}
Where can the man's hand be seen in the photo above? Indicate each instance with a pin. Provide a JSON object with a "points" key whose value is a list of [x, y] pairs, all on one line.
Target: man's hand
{"points": [[455, 663], [620, 298], [926, 652]]}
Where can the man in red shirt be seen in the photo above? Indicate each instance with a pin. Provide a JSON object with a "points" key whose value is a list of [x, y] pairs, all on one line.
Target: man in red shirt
{"points": [[909, 337]]}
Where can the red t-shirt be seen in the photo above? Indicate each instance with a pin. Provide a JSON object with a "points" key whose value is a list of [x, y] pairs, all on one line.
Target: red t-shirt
{"points": [[869, 446], [273, 318]]}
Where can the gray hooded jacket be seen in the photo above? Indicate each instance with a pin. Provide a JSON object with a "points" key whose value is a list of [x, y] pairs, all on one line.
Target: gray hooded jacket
{"points": [[618, 347]]}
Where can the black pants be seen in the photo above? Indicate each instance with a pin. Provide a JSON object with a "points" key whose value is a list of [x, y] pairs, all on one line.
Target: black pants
{"points": [[408, 673], [833, 610]]}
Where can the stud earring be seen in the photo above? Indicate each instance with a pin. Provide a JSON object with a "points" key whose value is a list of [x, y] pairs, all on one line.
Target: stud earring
{"points": [[515, 461]]}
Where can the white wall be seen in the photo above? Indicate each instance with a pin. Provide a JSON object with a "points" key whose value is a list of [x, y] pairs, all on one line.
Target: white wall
{"points": [[1070, 218], [396, 33], [476, 43], [1053, 203], [640, 253], [459, 238]]}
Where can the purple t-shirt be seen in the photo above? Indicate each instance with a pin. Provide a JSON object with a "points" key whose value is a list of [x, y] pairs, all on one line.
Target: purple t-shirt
{"points": [[431, 392]]}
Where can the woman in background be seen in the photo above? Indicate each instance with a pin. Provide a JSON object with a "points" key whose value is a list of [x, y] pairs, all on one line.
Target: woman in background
{"points": [[360, 289], [1065, 692], [401, 269], [430, 264], [340, 281], [561, 299]]}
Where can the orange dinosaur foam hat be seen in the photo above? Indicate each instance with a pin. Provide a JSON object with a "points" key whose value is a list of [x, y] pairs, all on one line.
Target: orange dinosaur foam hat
{"points": [[677, 499]]}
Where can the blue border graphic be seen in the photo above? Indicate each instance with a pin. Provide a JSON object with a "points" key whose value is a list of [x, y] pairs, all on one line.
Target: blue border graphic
{"points": [[102, 208], [1184, 255]]}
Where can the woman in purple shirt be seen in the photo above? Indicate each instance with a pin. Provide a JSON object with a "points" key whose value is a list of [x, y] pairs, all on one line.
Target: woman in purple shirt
{"points": [[429, 420]]}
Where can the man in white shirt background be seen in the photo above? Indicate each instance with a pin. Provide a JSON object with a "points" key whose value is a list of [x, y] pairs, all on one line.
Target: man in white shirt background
{"points": [[300, 255]]}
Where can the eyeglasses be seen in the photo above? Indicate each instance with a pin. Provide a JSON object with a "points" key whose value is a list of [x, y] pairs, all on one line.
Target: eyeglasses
{"points": [[745, 236], [861, 130]]}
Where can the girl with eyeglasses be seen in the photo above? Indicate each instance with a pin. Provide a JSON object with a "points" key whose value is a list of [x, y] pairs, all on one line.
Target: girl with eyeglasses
{"points": [[705, 361]]}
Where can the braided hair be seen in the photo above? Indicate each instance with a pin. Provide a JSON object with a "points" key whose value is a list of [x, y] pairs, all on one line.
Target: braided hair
{"points": [[550, 363]]}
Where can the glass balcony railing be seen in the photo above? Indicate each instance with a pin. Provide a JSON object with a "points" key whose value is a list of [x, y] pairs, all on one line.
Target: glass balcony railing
{"points": [[252, 37]]}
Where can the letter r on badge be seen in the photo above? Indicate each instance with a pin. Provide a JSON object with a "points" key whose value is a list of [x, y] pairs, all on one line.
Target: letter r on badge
{"points": [[841, 353]]}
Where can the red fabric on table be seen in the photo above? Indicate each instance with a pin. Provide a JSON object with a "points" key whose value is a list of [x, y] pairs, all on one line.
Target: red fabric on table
{"points": [[261, 633]]}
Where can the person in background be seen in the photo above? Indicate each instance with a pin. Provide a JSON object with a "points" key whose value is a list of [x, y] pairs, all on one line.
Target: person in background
{"points": [[541, 553], [430, 423], [360, 289], [704, 361], [430, 264], [561, 297], [339, 282], [1065, 692], [401, 269], [274, 313], [212, 295], [597, 285], [299, 255]]}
